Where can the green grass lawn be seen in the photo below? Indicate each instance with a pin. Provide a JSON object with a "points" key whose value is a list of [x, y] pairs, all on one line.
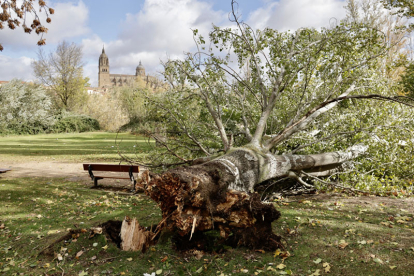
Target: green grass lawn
{"points": [[72, 147], [322, 236]]}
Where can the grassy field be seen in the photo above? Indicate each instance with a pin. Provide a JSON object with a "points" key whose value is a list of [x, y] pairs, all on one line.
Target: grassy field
{"points": [[323, 235], [320, 236], [71, 147]]}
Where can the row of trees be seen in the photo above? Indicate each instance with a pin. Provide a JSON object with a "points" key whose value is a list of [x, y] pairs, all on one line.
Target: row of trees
{"points": [[61, 95]]}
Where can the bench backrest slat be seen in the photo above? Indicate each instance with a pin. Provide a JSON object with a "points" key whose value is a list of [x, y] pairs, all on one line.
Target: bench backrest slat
{"points": [[111, 168]]}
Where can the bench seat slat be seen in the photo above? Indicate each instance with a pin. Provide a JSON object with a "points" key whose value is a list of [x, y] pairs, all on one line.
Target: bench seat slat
{"points": [[111, 168], [114, 177]]}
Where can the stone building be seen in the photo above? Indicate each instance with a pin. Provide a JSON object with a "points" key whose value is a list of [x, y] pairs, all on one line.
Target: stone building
{"points": [[107, 80]]}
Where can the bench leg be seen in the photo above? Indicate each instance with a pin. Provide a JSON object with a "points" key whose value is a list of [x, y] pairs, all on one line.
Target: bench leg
{"points": [[134, 183], [95, 182]]}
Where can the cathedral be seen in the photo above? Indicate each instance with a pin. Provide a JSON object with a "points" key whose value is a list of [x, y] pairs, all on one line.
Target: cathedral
{"points": [[107, 80]]}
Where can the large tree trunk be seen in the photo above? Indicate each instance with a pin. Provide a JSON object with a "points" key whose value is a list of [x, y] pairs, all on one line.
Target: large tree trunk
{"points": [[219, 194]]}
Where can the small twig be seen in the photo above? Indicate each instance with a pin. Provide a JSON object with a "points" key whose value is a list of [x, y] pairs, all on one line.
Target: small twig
{"points": [[178, 258], [108, 259], [63, 272]]}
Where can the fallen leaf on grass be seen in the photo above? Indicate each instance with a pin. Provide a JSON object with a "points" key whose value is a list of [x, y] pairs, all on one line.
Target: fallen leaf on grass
{"points": [[316, 273], [257, 272], [2, 226], [105, 247], [392, 267], [129, 259], [164, 259], [285, 255], [327, 267], [317, 261], [406, 218], [59, 257], [378, 261], [342, 244], [277, 253], [158, 272], [78, 254], [280, 266], [83, 273]]}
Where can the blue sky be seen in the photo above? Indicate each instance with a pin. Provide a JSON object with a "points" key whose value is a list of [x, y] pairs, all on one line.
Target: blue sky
{"points": [[149, 30]]}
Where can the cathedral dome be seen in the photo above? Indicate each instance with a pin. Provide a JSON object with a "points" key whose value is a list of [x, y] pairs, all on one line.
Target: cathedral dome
{"points": [[140, 71], [140, 67]]}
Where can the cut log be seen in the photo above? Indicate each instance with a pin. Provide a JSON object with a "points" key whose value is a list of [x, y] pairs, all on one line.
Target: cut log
{"points": [[134, 237]]}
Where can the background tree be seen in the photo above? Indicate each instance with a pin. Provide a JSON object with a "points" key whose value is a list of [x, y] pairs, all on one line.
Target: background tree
{"points": [[17, 13], [62, 72], [402, 7], [407, 80], [24, 108], [373, 14]]}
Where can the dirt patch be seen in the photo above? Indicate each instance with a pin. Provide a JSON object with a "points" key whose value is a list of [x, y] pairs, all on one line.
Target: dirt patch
{"points": [[55, 169]]}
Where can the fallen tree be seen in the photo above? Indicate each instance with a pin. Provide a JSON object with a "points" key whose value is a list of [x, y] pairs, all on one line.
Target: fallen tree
{"points": [[219, 194], [232, 125]]}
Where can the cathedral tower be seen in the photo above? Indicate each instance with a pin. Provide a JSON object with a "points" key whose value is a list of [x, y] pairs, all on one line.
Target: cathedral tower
{"points": [[140, 70], [103, 75]]}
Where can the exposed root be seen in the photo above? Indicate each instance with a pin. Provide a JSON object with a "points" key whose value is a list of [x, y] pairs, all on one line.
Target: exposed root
{"points": [[194, 201]]}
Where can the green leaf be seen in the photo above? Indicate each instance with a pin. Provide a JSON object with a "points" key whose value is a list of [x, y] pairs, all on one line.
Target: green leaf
{"points": [[378, 261], [317, 261]]}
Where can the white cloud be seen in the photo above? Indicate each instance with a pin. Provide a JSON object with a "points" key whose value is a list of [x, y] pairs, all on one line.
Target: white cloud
{"points": [[69, 21], [293, 14], [16, 68], [161, 29]]}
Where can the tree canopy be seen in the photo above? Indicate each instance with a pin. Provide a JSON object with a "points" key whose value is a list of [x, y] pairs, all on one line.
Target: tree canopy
{"points": [[62, 72], [24, 108], [304, 91]]}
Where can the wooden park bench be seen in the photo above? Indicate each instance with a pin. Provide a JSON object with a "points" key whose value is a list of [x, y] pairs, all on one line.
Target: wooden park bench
{"points": [[4, 170], [130, 169]]}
